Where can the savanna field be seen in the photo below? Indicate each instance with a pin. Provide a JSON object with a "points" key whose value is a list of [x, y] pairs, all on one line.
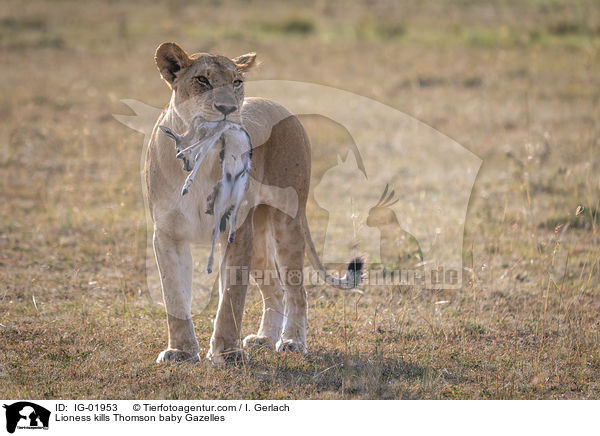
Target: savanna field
{"points": [[515, 82]]}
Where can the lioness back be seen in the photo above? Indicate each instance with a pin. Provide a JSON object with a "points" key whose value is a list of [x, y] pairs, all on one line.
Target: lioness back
{"points": [[282, 153]]}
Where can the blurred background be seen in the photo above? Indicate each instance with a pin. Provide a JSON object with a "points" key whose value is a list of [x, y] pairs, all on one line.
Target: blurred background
{"points": [[515, 82]]}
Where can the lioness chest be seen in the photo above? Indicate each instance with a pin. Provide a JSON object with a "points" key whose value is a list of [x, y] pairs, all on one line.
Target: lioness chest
{"points": [[185, 217]]}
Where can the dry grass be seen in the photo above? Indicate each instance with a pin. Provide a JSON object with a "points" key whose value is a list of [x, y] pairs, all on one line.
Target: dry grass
{"points": [[516, 82]]}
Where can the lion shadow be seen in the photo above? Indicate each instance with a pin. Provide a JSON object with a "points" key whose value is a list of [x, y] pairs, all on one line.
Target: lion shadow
{"points": [[368, 376]]}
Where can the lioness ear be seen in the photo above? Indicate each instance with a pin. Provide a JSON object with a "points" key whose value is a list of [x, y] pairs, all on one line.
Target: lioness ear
{"points": [[170, 58], [245, 62]]}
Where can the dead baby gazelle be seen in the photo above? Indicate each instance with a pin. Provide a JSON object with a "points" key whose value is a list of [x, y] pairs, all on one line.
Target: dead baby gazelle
{"points": [[227, 195], [183, 141], [193, 150]]}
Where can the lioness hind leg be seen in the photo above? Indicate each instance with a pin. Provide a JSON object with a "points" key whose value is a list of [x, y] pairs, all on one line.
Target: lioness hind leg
{"points": [[273, 309], [290, 260], [271, 288], [174, 261]]}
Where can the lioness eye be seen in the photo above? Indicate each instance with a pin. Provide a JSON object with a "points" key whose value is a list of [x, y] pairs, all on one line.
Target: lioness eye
{"points": [[237, 83], [203, 81]]}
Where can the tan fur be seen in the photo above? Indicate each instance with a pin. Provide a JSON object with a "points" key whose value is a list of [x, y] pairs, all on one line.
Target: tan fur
{"points": [[267, 239]]}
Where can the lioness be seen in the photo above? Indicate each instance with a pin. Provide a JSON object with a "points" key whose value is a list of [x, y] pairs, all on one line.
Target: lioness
{"points": [[268, 239]]}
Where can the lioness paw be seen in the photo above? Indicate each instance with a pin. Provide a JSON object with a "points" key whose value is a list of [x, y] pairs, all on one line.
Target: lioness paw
{"points": [[291, 346], [176, 356], [255, 341], [229, 356]]}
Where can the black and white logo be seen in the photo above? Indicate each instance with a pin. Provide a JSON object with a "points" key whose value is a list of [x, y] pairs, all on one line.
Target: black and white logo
{"points": [[26, 415]]}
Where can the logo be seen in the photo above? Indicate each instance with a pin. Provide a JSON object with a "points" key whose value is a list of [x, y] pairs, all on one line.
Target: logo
{"points": [[26, 415]]}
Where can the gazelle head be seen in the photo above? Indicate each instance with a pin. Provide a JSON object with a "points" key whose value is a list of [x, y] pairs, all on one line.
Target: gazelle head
{"points": [[184, 141], [381, 214]]}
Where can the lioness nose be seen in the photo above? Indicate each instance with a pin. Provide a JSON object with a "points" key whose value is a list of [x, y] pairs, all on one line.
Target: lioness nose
{"points": [[225, 109]]}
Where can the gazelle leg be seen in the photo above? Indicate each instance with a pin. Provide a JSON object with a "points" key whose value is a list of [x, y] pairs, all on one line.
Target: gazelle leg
{"points": [[233, 222], [215, 235], [204, 145], [239, 191], [218, 212], [190, 179]]}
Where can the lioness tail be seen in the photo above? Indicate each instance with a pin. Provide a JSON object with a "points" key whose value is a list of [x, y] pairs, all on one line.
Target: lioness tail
{"points": [[354, 273]]}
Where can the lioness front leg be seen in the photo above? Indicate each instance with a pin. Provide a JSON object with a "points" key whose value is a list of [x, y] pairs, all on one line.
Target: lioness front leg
{"points": [[175, 267], [233, 284]]}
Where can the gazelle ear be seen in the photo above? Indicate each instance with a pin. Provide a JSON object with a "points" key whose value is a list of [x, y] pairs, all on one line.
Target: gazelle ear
{"points": [[170, 133], [381, 199], [170, 59], [393, 202]]}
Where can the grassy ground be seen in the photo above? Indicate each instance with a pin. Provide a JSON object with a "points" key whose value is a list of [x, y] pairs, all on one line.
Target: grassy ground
{"points": [[516, 82]]}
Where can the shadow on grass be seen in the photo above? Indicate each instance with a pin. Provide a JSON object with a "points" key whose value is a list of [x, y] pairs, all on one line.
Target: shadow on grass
{"points": [[330, 371]]}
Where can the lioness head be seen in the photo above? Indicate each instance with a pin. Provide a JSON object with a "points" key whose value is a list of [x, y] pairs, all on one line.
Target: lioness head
{"points": [[206, 85]]}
